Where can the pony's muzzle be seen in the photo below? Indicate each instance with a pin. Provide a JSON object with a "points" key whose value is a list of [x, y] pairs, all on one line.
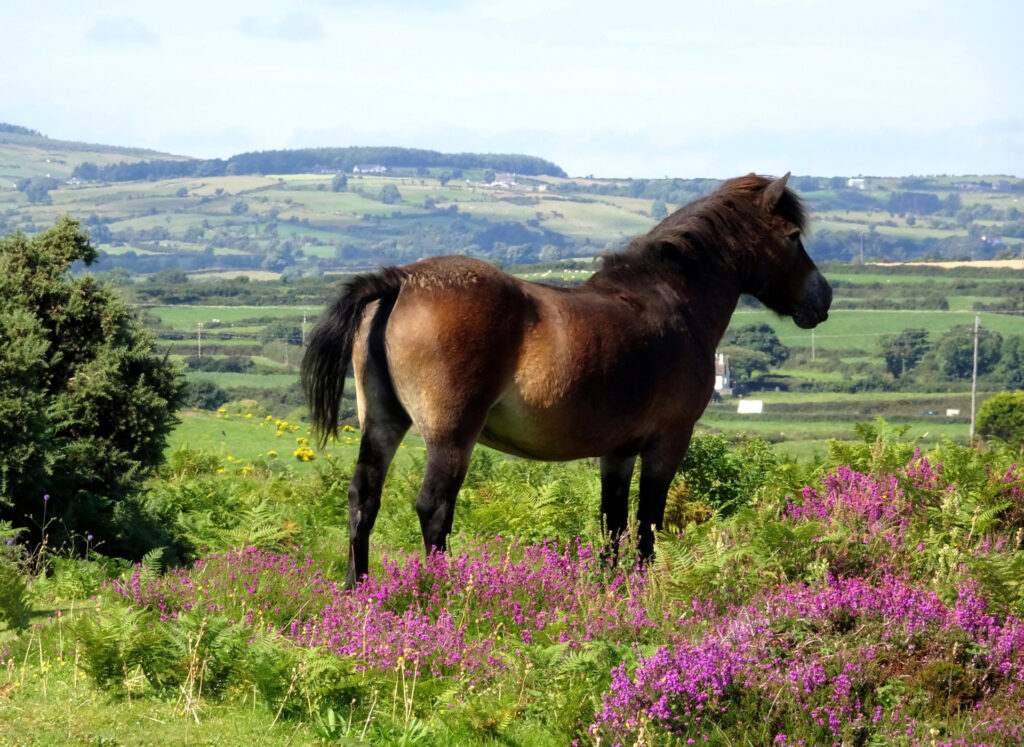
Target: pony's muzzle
{"points": [[813, 307]]}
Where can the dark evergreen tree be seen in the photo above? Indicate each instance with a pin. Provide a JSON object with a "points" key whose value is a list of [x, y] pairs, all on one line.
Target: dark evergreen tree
{"points": [[85, 404]]}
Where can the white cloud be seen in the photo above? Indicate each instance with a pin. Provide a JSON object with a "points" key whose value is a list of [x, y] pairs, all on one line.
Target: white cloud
{"points": [[292, 27], [120, 31]]}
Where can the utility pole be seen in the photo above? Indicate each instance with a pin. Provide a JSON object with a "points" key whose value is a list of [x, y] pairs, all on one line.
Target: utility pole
{"points": [[199, 339], [974, 380]]}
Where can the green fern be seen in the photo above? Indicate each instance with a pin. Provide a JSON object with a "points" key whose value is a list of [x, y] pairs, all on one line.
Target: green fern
{"points": [[257, 526]]}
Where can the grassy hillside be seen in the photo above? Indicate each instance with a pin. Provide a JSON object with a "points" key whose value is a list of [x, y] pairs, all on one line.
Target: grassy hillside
{"points": [[24, 156], [297, 223]]}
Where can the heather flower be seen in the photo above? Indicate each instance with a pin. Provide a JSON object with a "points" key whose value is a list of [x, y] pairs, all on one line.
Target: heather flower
{"points": [[768, 652], [448, 614]]}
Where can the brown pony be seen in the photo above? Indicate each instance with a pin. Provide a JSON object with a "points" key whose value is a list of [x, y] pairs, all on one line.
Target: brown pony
{"points": [[619, 367]]}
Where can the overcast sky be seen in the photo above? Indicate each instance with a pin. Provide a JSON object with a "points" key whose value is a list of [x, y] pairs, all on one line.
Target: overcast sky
{"points": [[640, 88]]}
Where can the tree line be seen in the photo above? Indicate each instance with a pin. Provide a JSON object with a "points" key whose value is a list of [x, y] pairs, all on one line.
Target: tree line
{"points": [[308, 160]]}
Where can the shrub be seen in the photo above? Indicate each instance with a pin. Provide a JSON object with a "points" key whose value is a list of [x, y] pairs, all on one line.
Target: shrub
{"points": [[14, 604], [1003, 417], [243, 407], [726, 478], [86, 406], [203, 394]]}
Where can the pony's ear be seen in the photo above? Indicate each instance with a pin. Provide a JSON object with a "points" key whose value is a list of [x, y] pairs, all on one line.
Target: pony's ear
{"points": [[773, 193]]}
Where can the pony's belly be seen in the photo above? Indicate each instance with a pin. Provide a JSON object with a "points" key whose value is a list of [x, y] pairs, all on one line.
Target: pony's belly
{"points": [[516, 446], [552, 434]]}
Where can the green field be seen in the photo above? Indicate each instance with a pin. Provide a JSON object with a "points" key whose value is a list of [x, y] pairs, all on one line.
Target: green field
{"points": [[941, 281], [241, 440], [861, 328], [187, 316], [228, 379]]}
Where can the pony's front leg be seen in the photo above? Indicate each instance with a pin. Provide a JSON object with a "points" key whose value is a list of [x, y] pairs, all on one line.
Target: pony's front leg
{"points": [[616, 473], [446, 469], [658, 465]]}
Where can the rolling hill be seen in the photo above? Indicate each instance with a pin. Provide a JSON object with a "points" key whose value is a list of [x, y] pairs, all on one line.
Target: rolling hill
{"points": [[312, 211]]}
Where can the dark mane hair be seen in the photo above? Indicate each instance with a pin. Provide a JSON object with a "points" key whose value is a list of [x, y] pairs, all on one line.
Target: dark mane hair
{"points": [[709, 229]]}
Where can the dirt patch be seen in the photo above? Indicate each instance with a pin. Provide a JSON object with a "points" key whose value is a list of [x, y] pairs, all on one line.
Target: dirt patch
{"points": [[1009, 264]]}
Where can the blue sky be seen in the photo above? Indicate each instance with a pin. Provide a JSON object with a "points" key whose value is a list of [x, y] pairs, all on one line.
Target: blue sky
{"points": [[643, 88]]}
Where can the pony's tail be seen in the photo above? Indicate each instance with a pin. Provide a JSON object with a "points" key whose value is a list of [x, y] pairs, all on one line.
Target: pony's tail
{"points": [[329, 353]]}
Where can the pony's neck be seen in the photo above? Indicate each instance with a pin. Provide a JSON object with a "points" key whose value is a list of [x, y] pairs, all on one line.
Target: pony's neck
{"points": [[698, 285], [707, 304]]}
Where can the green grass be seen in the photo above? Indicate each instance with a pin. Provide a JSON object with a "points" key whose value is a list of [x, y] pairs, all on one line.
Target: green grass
{"points": [[862, 222], [847, 397], [187, 316], [229, 379], [52, 702], [785, 429], [966, 303], [188, 346], [861, 328], [239, 440], [894, 279]]}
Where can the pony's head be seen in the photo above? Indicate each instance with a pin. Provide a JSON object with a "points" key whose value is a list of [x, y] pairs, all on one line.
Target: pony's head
{"points": [[777, 269], [748, 230]]}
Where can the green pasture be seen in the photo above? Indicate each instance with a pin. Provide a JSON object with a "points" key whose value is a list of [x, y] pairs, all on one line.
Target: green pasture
{"points": [[231, 379], [240, 440], [323, 201], [187, 316], [865, 224], [966, 303], [232, 185], [861, 328], [175, 223], [125, 248], [601, 221], [189, 345], [780, 430], [230, 274], [998, 200], [502, 210], [23, 160], [894, 279], [953, 398]]}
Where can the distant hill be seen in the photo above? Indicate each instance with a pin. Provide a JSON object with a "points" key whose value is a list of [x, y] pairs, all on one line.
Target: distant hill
{"points": [[17, 130], [322, 161], [318, 210], [26, 153]]}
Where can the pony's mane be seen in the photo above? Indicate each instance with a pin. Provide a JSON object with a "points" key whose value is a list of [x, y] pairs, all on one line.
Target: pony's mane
{"points": [[709, 229]]}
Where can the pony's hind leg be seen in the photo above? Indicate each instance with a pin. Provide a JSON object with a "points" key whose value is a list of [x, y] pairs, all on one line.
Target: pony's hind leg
{"points": [[377, 448], [446, 469]]}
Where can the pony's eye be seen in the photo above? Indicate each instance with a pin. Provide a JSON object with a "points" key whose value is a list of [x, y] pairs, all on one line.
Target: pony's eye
{"points": [[794, 237]]}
